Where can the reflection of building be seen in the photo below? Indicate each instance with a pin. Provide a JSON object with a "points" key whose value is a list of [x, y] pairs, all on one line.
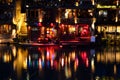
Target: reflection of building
{"points": [[66, 63], [7, 28], [107, 63], [59, 19]]}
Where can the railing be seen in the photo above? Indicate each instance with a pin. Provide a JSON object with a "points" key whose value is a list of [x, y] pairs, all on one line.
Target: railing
{"points": [[79, 20]]}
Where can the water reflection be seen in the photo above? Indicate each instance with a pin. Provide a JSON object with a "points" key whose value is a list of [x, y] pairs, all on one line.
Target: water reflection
{"points": [[59, 63], [107, 63], [20, 61]]}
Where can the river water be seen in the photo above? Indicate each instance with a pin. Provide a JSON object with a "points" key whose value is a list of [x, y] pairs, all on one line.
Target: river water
{"points": [[59, 63]]}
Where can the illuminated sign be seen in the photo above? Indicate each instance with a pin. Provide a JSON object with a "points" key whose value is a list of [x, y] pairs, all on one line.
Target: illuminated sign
{"points": [[99, 6]]}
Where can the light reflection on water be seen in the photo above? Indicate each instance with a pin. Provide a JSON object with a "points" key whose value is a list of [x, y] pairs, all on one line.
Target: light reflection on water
{"points": [[59, 63]]}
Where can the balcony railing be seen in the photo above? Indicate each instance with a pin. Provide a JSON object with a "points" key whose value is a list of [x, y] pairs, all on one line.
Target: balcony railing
{"points": [[56, 4], [84, 20], [79, 20], [106, 2]]}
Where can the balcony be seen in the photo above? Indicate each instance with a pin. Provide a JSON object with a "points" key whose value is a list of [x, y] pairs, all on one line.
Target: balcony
{"points": [[84, 20], [42, 4], [79, 20], [106, 2], [67, 21], [86, 5], [7, 4], [105, 21]]}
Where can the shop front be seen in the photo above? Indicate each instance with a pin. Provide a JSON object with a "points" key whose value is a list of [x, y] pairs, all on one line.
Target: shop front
{"points": [[110, 32], [7, 30], [75, 32], [41, 33]]}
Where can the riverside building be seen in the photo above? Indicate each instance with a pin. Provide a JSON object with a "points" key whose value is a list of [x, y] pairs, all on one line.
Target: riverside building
{"points": [[7, 27], [60, 19]]}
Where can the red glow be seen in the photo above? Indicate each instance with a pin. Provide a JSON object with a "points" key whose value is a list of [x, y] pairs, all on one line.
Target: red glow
{"points": [[85, 31], [50, 53], [29, 28], [62, 62], [51, 24], [39, 24], [40, 63], [84, 55], [77, 61], [83, 25], [39, 49], [62, 25], [87, 62], [55, 63], [85, 58]]}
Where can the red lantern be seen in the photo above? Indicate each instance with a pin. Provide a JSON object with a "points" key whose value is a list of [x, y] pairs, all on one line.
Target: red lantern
{"points": [[51, 24], [39, 24], [62, 25]]}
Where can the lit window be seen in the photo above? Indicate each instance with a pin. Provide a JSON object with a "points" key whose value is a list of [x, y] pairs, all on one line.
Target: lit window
{"points": [[103, 13]]}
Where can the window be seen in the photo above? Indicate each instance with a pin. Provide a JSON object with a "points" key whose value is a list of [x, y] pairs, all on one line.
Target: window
{"points": [[106, 2], [84, 13], [5, 1], [103, 13], [34, 13]]}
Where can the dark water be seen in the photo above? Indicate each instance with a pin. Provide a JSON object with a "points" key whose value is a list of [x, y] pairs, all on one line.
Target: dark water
{"points": [[59, 63]]}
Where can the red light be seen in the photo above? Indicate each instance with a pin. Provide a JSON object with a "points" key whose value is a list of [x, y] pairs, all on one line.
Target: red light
{"points": [[62, 25], [29, 28], [39, 24], [52, 24], [84, 32], [84, 55]]}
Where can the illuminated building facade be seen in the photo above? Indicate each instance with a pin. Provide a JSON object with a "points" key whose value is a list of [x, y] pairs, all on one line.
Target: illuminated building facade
{"points": [[63, 19], [75, 22], [72, 20], [108, 18], [6, 15], [41, 16]]}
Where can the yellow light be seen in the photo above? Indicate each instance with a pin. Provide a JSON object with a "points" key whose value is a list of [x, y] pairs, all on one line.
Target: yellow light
{"points": [[93, 23], [14, 51], [62, 62], [117, 57], [76, 4], [68, 72], [93, 2], [57, 20], [40, 19], [67, 12], [116, 19], [75, 20], [13, 33], [98, 58], [92, 65], [25, 64], [14, 21], [115, 69], [99, 6], [69, 60], [117, 2], [73, 55], [40, 64], [7, 58]]}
